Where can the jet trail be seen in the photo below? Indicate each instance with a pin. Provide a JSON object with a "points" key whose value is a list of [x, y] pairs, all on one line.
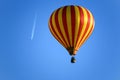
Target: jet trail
{"points": [[34, 25]]}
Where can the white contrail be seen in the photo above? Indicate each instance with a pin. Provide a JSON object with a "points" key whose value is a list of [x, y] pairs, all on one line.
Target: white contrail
{"points": [[34, 25]]}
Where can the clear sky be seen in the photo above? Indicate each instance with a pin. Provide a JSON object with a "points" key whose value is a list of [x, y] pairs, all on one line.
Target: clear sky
{"points": [[42, 57]]}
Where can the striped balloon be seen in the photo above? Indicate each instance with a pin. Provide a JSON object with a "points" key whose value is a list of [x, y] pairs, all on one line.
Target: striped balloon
{"points": [[71, 26]]}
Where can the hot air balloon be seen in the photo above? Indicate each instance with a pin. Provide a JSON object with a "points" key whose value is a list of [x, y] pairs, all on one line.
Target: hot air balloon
{"points": [[71, 26]]}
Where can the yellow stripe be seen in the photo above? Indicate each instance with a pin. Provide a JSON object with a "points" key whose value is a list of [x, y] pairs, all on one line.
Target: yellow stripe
{"points": [[77, 22], [87, 33], [83, 27], [68, 17], [61, 25], [54, 26]]}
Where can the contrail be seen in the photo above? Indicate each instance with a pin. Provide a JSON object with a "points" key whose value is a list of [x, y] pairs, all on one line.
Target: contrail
{"points": [[34, 25]]}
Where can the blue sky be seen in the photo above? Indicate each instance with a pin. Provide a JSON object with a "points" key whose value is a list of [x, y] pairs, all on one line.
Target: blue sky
{"points": [[43, 58]]}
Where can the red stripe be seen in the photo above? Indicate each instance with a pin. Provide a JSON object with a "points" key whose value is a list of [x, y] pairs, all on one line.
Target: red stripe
{"points": [[81, 23], [58, 26], [55, 34], [64, 20], [73, 24], [87, 26]]}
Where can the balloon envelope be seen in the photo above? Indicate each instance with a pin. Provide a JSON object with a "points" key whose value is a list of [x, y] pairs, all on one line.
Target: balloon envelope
{"points": [[71, 26]]}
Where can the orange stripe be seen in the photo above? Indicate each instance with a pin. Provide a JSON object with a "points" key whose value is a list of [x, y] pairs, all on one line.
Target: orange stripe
{"points": [[69, 26], [77, 22], [80, 25]]}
